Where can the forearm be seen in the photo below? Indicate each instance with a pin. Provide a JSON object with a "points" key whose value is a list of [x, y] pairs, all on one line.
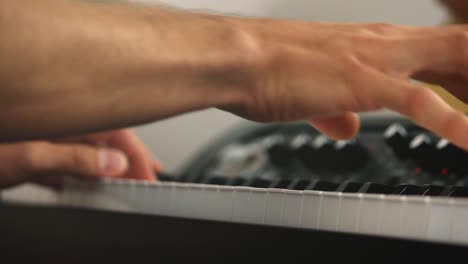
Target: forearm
{"points": [[71, 67]]}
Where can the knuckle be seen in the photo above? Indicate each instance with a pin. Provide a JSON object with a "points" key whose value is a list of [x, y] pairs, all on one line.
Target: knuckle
{"points": [[361, 96], [381, 28], [355, 63], [80, 158], [459, 44], [417, 101]]}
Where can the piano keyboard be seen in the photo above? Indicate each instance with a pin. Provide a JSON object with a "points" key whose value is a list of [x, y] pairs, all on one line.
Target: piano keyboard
{"points": [[421, 218], [395, 181]]}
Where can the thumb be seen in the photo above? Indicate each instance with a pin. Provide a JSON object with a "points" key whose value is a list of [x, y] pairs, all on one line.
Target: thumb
{"points": [[78, 159], [341, 127]]}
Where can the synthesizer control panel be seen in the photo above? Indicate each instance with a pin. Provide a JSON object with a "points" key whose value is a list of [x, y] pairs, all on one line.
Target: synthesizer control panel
{"points": [[389, 155]]}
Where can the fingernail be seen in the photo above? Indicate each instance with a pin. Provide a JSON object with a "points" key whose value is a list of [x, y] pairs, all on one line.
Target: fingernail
{"points": [[112, 162]]}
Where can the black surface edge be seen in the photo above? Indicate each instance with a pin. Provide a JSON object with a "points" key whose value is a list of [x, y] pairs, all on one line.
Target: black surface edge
{"points": [[52, 233]]}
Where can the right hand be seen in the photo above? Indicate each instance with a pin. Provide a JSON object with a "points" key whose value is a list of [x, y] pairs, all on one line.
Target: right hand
{"points": [[326, 73]]}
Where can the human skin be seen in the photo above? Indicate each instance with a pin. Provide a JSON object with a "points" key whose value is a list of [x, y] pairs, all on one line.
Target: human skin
{"points": [[70, 67]]}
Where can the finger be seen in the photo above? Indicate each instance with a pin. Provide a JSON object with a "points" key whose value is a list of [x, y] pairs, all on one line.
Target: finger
{"points": [[342, 127], [424, 107], [75, 159], [140, 158], [433, 49], [157, 166]]}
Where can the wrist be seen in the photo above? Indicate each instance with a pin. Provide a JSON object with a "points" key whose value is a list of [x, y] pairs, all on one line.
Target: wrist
{"points": [[215, 57]]}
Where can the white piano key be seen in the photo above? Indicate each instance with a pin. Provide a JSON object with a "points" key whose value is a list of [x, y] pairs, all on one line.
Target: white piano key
{"points": [[197, 204], [241, 210], [93, 195], [75, 197], [274, 206], [210, 209], [178, 200], [460, 221], [188, 201], [147, 195], [106, 198], [154, 204], [164, 198], [66, 195], [255, 209], [415, 216], [348, 220], [224, 203], [133, 194], [311, 209], [201, 207], [121, 195], [392, 215], [172, 194], [329, 211], [440, 220], [292, 208], [99, 196], [31, 194], [370, 214]]}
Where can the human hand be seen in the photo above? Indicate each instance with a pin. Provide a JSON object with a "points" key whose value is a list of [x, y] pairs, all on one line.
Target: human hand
{"points": [[458, 8], [326, 73], [118, 153]]}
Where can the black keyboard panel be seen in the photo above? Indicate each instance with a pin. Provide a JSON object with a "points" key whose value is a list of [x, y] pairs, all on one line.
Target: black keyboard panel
{"points": [[391, 155]]}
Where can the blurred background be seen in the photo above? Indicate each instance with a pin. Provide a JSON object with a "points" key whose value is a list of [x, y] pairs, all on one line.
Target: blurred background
{"points": [[177, 139]]}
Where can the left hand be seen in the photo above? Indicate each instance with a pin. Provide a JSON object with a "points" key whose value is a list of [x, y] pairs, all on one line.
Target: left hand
{"points": [[118, 153]]}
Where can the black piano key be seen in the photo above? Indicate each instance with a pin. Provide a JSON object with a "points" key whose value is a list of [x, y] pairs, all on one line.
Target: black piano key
{"points": [[260, 183], [394, 180], [323, 186], [349, 187], [166, 177], [454, 191], [376, 188], [238, 181], [299, 184], [197, 179], [217, 180], [459, 192], [282, 184], [407, 189], [431, 190]]}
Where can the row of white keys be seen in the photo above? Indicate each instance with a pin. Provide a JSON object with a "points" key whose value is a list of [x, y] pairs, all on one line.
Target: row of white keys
{"points": [[397, 216], [459, 229], [29, 194], [105, 194], [448, 220]]}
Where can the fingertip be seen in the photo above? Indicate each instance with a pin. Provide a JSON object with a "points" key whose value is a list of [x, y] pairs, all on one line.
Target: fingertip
{"points": [[112, 162], [156, 164], [342, 127]]}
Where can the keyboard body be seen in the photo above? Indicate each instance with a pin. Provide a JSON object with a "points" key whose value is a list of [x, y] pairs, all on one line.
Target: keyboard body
{"points": [[257, 189]]}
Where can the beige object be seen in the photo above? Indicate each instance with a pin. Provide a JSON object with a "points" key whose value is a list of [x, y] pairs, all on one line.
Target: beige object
{"points": [[450, 98]]}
